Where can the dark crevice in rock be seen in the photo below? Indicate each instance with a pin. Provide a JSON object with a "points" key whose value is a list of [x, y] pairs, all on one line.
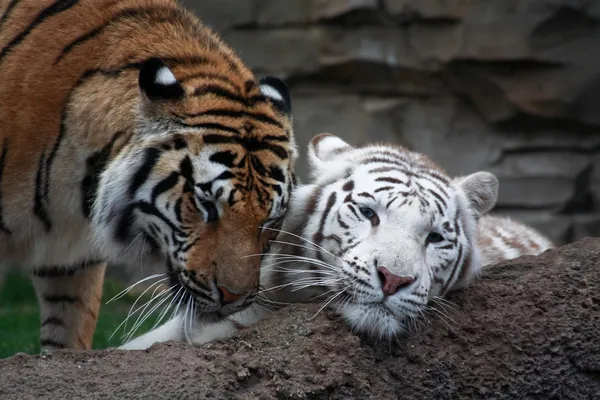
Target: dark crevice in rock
{"points": [[583, 200], [564, 25], [527, 123]]}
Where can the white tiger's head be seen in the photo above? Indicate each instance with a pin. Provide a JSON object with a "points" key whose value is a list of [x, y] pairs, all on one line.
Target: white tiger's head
{"points": [[390, 230]]}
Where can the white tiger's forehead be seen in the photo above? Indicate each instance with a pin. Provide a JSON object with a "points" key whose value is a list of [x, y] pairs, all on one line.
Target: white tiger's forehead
{"points": [[398, 176]]}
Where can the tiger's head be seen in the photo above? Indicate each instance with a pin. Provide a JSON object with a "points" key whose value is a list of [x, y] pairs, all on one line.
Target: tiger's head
{"points": [[208, 169], [385, 230]]}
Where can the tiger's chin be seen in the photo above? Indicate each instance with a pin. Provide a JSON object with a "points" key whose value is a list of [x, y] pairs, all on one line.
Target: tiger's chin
{"points": [[376, 321]]}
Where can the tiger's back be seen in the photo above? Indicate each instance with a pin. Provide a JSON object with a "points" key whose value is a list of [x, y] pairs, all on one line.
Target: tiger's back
{"points": [[126, 119]]}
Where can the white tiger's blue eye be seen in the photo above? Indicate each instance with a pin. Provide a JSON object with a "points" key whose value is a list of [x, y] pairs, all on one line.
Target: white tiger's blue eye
{"points": [[434, 237], [367, 212]]}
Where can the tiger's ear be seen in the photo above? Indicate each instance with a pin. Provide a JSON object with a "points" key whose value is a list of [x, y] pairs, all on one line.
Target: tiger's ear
{"points": [[325, 147], [157, 81], [276, 91], [481, 189]]}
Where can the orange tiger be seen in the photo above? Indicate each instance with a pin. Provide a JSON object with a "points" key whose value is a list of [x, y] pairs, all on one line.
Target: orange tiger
{"points": [[130, 133]]}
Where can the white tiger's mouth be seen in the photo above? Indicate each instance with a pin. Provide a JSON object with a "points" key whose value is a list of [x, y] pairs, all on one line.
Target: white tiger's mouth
{"points": [[386, 319]]}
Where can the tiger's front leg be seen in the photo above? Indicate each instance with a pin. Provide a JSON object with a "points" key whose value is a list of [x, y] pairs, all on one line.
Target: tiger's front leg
{"points": [[69, 300]]}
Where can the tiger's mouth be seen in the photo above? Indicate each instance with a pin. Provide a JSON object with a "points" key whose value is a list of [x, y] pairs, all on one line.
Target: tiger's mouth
{"points": [[208, 301]]}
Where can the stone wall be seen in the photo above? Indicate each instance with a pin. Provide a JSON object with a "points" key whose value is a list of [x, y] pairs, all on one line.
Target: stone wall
{"points": [[508, 86]]}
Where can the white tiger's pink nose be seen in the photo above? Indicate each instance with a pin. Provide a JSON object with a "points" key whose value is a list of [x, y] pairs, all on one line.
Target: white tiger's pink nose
{"points": [[391, 283]]}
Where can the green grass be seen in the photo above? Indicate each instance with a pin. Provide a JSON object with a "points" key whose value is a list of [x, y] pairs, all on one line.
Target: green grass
{"points": [[20, 318]]}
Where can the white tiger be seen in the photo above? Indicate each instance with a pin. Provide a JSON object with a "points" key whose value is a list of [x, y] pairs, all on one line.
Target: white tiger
{"points": [[379, 232]]}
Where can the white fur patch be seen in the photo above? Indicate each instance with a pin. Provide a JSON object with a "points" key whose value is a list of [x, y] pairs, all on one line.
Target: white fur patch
{"points": [[165, 77], [326, 148], [271, 92]]}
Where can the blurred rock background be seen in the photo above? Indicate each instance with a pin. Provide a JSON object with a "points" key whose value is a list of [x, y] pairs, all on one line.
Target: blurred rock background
{"points": [[509, 86]]}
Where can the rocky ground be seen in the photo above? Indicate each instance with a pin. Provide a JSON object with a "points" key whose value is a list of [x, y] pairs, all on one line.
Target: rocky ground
{"points": [[529, 329]]}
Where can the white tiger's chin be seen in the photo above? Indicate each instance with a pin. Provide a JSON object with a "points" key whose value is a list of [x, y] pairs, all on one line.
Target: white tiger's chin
{"points": [[376, 321]]}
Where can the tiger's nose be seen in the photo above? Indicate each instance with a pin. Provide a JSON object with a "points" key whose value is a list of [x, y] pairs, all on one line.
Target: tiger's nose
{"points": [[391, 283], [227, 297]]}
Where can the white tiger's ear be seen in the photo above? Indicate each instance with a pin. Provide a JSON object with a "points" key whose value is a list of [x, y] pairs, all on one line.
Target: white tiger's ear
{"points": [[157, 81], [276, 91], [325, 147], [481, 189]]}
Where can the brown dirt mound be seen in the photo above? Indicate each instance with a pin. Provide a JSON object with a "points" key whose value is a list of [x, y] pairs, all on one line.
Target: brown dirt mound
{"points": [[529, 329]]}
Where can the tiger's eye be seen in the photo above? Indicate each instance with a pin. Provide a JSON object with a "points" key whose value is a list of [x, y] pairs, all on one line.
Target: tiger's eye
{"points": [[434, 237], [367, 212], [370, 215]]}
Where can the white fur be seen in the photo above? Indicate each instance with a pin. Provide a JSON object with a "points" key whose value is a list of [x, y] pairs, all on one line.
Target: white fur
{"points": [[165, 77], [271, 92]]}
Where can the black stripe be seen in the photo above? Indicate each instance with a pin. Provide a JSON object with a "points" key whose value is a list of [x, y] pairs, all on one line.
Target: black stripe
{"points": [[318, 236], [168, 183], [54, 272], [51, 157], [216, 90], [389, 180], [431, 174], [456, 265], [143, 173], [122, 231], [58, 271], [149, 209], [113, 73], [226, 158], [437, 196], [204, 75], [383, 188], [77, 42], [3, 226], [39, 209], [177, 209], [7, 12], [251, 144], [389, 203], [276, 173], [237, 114], [342, 223], [374, 160], [53, 321], [365, 194], [219, 91], [61, 298], [231, 199], [95, 165], [56, 8], [53, 343], [124, 14], [351, 207], [283, 138], [379, 170]]}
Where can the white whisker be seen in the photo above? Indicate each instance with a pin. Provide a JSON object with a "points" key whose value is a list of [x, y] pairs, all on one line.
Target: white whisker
{"points": [[166, 309], [127, 290], [139, 323], [140, 296]]}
